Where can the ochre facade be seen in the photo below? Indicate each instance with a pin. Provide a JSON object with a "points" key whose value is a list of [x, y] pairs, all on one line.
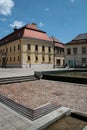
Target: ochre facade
{"points": [[27, 52], [30, 47]]}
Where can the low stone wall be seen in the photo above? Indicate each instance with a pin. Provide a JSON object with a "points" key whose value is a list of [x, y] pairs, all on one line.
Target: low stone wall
{"points": [[36, 66]]}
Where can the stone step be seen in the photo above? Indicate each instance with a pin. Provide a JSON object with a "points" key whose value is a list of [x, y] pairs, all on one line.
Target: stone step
{"points": [[17, 79], [29, 113]]}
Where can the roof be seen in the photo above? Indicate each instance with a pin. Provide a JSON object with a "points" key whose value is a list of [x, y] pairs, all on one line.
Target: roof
{"points": [[58, 43], [79, 39], [28, 31], [31, 31], [81, 36]]}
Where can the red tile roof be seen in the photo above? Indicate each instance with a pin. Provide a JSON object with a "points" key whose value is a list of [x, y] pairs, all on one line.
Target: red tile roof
{"points": [[31, 31], [28, 31], [57, 42]]}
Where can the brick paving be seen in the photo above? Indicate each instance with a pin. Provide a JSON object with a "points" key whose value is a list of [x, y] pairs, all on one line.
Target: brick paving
{"points": [[35, 93], [42, 91]]}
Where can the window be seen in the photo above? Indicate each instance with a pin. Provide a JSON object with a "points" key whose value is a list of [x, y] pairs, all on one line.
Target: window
{"points": [[6, 49], [75, 51], [68, 51], [49, 49], [18, 46], [10, 49], [36, 47], [3, 50], [83, 50], [28, 58], [43, 48], [28, 46], [43, 58], [0, 51], [36, 58], [18, 58], [14, 58], [49, 59], [83, 60], [14, 48], [10, 59]]}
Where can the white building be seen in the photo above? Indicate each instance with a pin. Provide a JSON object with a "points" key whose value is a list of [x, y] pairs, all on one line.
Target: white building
{"points": [[76, 51]]}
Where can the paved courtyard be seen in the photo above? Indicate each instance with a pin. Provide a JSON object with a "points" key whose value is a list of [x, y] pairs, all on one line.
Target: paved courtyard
{"points": [[14, 72], [69, 95], [10, 120], [35, 93]]}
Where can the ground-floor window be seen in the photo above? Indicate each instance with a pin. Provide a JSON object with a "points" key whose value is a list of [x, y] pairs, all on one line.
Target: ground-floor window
{"points": [[18, 58], [43, 58], [28, 58], [36, 58], [58, 62], [83, 61], [49, 59]]}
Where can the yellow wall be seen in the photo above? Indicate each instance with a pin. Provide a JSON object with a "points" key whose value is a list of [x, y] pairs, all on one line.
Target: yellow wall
{"points": [[11, 53], [33, 53], [23, 53]]}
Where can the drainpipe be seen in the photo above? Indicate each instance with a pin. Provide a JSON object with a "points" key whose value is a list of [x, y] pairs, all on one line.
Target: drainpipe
{"points": [[54, 53], [20, 52]]}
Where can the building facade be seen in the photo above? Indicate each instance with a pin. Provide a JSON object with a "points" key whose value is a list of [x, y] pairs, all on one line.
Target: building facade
{"points": [[58, 52], [76, 51], [27, 47]]}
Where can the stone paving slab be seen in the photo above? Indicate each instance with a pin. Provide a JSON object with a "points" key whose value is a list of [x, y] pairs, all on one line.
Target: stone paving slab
{"points": [[11, 120], [16, 72], [85, 128]]}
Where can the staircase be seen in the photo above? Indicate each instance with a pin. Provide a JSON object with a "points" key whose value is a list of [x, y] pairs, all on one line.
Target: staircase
{"points": [[10, 80], [29, 113]]}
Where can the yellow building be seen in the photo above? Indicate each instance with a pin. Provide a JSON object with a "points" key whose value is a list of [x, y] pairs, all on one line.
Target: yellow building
{"points": [[58, 53], [27, 47]]}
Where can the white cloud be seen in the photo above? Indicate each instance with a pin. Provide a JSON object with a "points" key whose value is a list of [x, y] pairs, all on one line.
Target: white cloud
{"points": [[41, 24], [6, 6], [46, 9], [17, 24], [3, 19]]}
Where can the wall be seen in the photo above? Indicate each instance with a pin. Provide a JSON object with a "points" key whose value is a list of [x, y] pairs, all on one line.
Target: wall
{"points": [[19, 58], [76, 57]]}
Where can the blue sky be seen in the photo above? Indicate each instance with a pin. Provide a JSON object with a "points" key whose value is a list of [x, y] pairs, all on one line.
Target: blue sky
{"points": [[63, 19]]}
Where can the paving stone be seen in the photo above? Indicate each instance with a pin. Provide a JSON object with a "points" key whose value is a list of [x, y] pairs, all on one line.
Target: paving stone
{"points": [[5, 125], [10, 120], [19, 124]]}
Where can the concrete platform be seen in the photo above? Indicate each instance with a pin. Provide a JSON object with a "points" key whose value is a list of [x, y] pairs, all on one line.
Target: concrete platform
{"points": [[11, 120], [85, 128], [16, 72]]}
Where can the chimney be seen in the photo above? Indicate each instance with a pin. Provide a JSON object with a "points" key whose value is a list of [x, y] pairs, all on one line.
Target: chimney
{"points": [[15, 28], [34, 25]]}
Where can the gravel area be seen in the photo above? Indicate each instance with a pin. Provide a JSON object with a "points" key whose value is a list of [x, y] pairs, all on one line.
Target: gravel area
{"points": [[35, 93]]}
